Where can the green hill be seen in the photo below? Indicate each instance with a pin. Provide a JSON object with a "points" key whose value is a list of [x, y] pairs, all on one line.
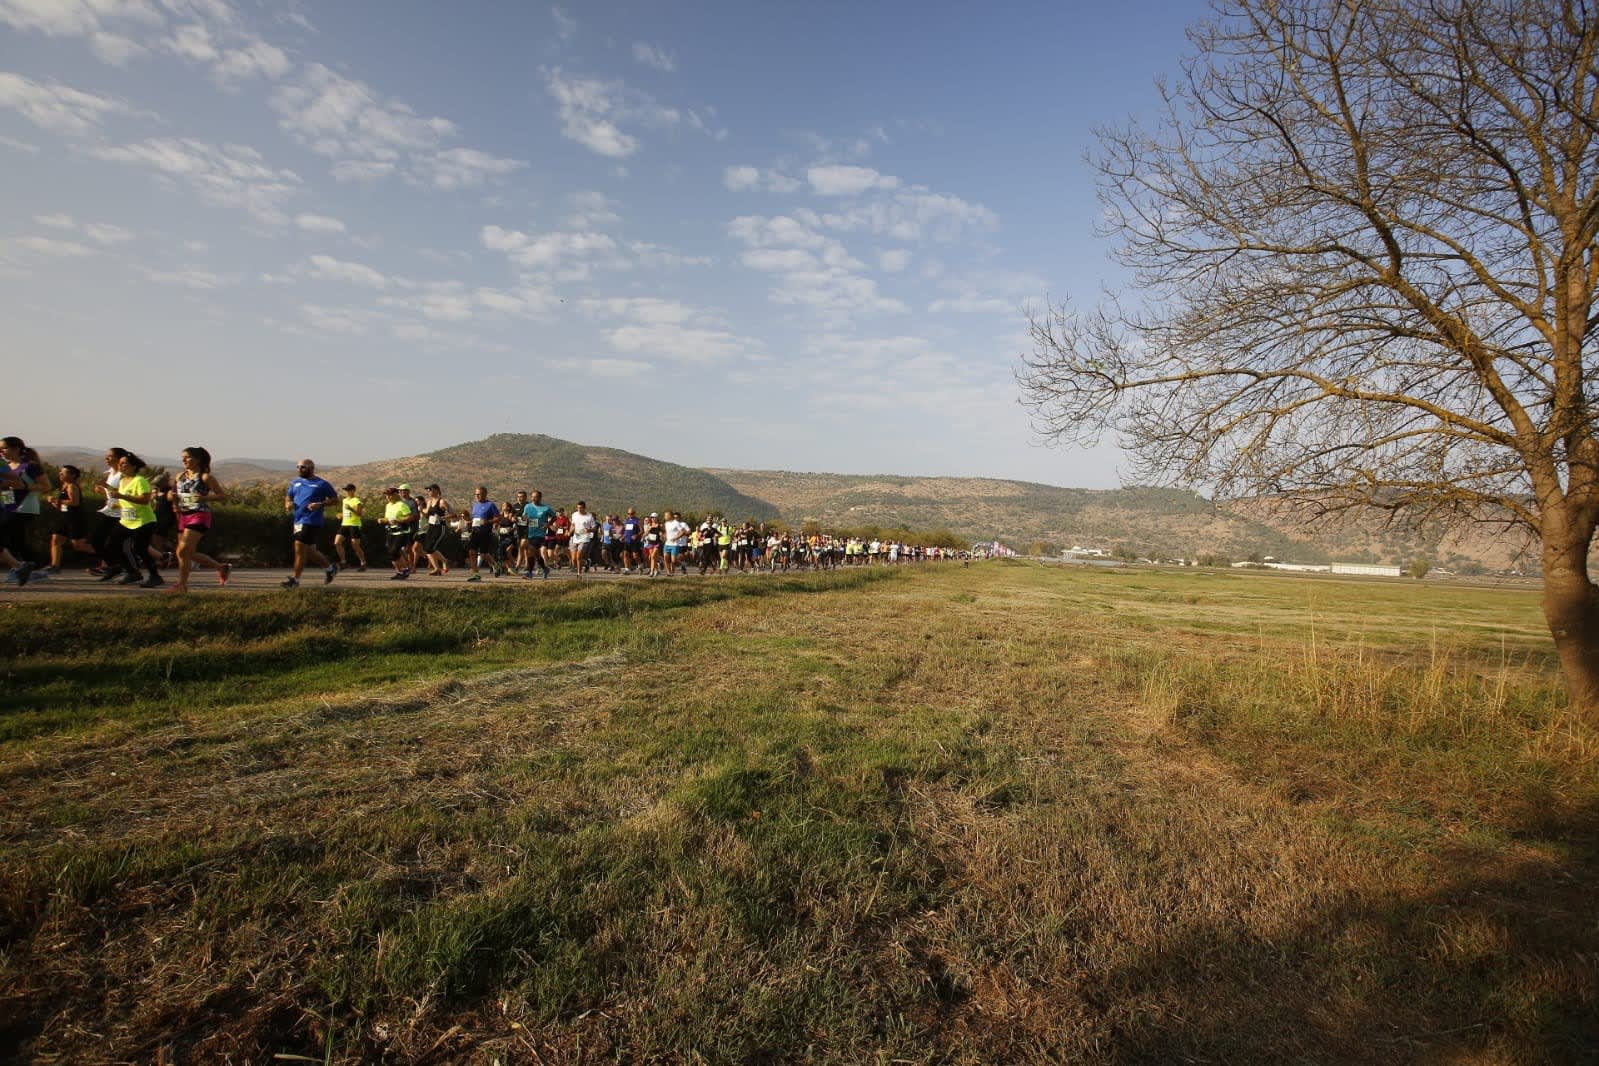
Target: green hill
{"points": [[607, 478]]}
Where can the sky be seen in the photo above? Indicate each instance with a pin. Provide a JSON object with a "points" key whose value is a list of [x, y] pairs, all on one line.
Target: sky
{"points": [[763, 236]]}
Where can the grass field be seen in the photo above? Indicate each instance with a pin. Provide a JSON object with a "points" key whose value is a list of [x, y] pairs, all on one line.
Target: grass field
{"points": [[992, 814]]}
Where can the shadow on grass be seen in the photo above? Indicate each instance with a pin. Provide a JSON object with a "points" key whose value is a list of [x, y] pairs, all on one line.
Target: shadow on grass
{"points": [[1499, 965]]}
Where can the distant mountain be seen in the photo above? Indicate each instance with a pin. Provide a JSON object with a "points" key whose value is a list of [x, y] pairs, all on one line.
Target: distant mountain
{"points": [[607, 478], [1148, 521]]}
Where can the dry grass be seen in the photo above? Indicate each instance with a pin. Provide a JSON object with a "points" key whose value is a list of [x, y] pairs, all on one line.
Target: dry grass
{"points": [[997, 814]]}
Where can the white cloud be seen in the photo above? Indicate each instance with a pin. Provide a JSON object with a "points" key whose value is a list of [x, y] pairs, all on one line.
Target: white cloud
{"points": [[461, 168], [53, 246], [255, 59], [319, 224], [648, 310], [590, 209], [327, 268], [193, 278], [105, 233], [681, 343], [654, 56], [840, 180], [525, 301], [369, 137], [592, 113], [565, 24], [56, 107], [229, 176], [20, 146], [743, 178], [566, 255], [115, 49], [350, 321], [75, 18], [101, 233], [654, 257], [810, 269], [912, 213], [973, 303], [894, 260], [602, 368]]}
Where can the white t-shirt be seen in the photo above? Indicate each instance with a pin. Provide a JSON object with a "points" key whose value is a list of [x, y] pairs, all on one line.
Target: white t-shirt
{"points": [[582, 527], [112, 507], [676, 532]]}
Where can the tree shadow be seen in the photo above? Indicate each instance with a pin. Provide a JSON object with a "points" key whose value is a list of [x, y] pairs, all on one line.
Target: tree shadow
{"points": [[1493, 965]]}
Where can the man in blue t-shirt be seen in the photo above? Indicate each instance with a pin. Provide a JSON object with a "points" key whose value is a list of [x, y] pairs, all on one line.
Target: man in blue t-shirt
{"points": [[632, 541], [482, 542], [538, 525], [306, 497]]}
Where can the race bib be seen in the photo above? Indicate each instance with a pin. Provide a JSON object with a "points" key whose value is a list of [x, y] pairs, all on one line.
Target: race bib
{"points": [[8, 497], [130, 512], [433, 519], [299, 527], [477, 522], [189, 501]]}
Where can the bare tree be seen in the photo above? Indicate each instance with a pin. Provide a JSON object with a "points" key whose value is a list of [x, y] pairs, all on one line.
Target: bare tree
{"points": [[1362, 242]]}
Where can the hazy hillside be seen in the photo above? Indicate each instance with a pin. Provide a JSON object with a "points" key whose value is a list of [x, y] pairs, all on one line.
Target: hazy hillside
{"points": [[1163, 521], [607, 478]]}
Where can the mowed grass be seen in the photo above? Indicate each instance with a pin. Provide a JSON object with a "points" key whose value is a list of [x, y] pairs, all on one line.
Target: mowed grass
{"points": [[998, 813]]}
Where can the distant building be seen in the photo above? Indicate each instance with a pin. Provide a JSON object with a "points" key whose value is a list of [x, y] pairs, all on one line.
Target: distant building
{"points": [[1366, 569]]}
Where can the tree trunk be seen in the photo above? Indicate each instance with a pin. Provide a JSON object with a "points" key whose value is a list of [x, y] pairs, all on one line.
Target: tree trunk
{"points": [[1571, 606]]}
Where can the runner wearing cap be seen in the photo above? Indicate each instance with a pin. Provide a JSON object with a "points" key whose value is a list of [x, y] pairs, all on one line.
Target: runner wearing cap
{"points": [[349, 535], [399, 525], [654, 539]]}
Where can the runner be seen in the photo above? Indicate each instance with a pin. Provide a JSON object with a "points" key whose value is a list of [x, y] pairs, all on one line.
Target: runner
{"points": [[436, 532], [518, 512], [582, 524], [195, 490], [23, 485], [506, 538], [538, 524], [654, 539], [418, 506], [632, 541], [559, 537], [107, 532], [305, 500], [165, 542], [705, 544], [399, 525], [72, 527], [677, 534], [483, 543], [353, 515], [135, 495]]}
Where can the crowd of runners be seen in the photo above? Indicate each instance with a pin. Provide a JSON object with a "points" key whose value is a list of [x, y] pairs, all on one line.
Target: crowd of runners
{"points": [[145, 525]]}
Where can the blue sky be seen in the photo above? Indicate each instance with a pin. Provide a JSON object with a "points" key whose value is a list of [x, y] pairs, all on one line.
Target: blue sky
{"points": [[760, 236]]}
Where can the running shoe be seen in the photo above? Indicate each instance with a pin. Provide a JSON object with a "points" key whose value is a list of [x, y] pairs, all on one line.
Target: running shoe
{"points": [[154, 581], [475, 577], [291, 583], [528, 576], [51, 570], [361, 569], [33, 574], [222, 573], [330, 573], [108, 575], [400, 575], [15, 576], [130, 579]]}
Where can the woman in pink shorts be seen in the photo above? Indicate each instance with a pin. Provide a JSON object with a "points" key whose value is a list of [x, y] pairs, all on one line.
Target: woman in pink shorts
{"points": [[195, 490]]}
